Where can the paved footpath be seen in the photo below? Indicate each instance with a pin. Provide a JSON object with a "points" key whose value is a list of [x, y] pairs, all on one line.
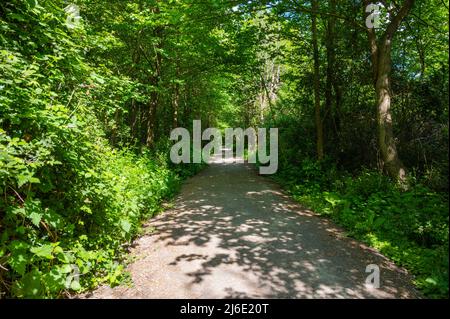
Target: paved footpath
{"points": [[235, 234]]}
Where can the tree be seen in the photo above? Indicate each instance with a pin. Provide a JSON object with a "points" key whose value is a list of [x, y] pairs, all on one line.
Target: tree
{"points": [[380, 49], [318, 118]]}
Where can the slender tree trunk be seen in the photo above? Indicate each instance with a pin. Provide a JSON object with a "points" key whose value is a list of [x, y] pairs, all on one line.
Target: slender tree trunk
{"points": [[337, 106], [115, 127], [381, 66], [331, 57], [133, 119], [318, 118], [391, 161], [134, 108], [186, 105], [175, 105], [154, 96], [143, 114]]}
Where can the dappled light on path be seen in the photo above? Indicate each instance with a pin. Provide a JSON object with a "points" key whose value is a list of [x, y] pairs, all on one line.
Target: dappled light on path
{"points": [[234, 234]]}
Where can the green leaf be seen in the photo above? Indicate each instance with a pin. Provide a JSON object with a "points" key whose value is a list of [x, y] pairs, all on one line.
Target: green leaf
{"points": [[55, 279], [44, 251], [32, 3], [75, 285], [29, 286], [34, 180], [17, 17], [35, 218], [53, 219], [22, 180], [65, 269], [18, 261], [65, 257], [126, 225]]}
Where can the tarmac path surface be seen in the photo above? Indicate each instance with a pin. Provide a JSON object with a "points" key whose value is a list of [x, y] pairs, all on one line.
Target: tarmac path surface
{"points": [[234, 234]]}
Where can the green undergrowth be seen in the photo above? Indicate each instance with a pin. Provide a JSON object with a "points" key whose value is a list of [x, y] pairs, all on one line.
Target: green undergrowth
{"points": [[410, 227], [65, 225], [75, 184]]}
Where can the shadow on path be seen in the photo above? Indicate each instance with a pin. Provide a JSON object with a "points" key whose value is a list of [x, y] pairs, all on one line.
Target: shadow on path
{"points": [[234, 234]]}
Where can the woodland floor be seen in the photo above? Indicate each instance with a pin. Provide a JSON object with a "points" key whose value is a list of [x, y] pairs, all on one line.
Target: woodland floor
{"points": [[235, 234]]}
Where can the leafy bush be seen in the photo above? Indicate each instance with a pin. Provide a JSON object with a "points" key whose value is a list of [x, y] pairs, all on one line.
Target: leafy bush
{"points": [[69, 201], [48, 226]]}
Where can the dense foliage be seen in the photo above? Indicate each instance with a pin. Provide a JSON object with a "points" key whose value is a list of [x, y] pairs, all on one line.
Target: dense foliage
{"points": [[89, 94], [69, 196], [407, 220]]}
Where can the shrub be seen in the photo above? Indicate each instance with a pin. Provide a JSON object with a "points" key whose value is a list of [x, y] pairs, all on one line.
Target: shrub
{"points": [[49, 226]]}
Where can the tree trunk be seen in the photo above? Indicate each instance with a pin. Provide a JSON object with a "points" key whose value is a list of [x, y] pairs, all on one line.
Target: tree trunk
{"points": [[331, 57], [318, 118], [115, 128], [337, 107], [186, 105], [175, 105], [134, 108], [386, 141], [154, 96], [381, 66]]}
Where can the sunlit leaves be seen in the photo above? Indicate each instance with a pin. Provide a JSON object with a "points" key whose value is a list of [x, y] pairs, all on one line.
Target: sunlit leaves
{"points": [[44, 251]]}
